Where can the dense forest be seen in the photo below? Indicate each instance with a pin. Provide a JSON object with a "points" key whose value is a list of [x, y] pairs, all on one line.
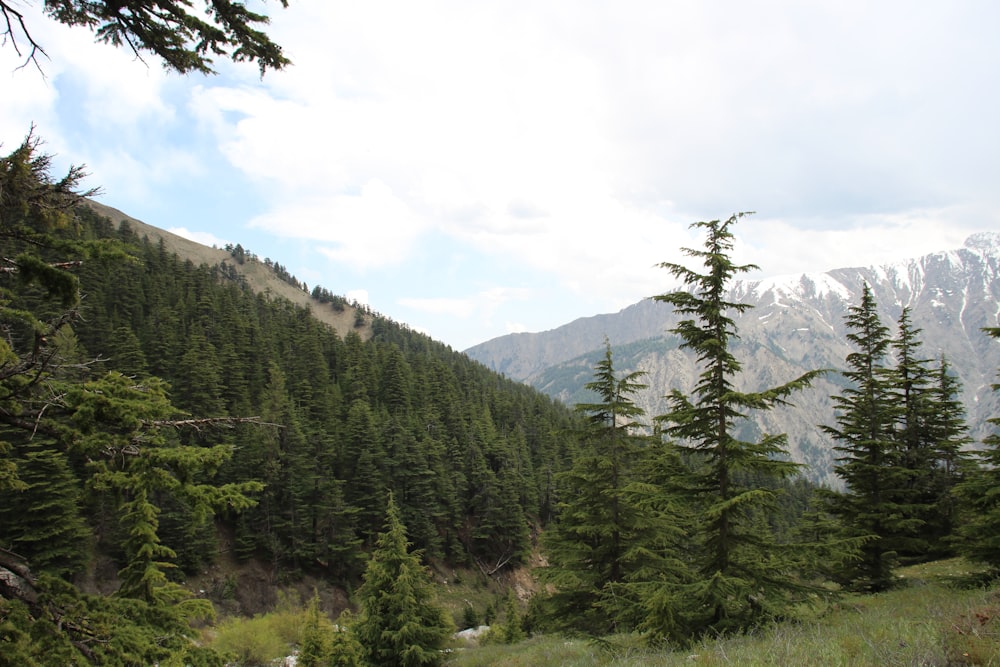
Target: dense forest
{"points": [[145, 394], [155, 413]]}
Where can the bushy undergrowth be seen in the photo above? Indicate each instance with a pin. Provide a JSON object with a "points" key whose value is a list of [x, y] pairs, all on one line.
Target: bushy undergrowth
{"points": [[261, 639]]}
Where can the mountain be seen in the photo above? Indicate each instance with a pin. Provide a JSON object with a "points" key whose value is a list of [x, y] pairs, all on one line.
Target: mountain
{"points": [[796, 324]]}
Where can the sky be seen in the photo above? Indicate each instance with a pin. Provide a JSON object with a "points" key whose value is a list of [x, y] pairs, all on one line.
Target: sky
{"points": [[474, 169]]}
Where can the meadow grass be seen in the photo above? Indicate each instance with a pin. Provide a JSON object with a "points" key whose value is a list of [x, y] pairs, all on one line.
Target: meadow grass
{"points": [[929, 620]]}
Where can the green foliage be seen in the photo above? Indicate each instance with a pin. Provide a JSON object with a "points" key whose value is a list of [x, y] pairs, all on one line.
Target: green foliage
{"points": [[602, 528], [930, 622], [900, 431], [186, 39], [253, 641], [119, 427], [67, 627], [511, 631], [869, 462], [68, 429], [314, 647], [345, 651], [41, 521], [400, 624], [744, 577], [978, 533], [930, 436]]}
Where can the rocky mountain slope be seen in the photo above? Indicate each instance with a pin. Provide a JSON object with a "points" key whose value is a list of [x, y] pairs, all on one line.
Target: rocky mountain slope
{"points": [[797, 324]]}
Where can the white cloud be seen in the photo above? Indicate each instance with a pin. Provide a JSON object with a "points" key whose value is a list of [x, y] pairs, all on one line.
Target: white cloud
{"points": [[204, 238], [481, 305], [370, 229], [561, 140], [462, 308], [570, 145], [358, 296]]}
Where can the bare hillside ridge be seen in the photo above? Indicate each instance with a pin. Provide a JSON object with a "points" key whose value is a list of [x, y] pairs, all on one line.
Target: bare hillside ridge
{"points": [[260, 278]]}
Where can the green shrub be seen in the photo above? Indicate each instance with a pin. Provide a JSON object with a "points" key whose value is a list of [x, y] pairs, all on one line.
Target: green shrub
{"points": [[254, 641]]}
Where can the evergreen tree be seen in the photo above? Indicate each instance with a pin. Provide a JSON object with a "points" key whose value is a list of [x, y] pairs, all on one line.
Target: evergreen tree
{"points": [[42, 520], [870, 461], [978, 534], [590, 546], [931, 436], [128, 357], [197, 378], [344, 648], [512, 630], [119, 426], [315, 648], [916, 498], [400, 625], [745, 578], [948, 433]]}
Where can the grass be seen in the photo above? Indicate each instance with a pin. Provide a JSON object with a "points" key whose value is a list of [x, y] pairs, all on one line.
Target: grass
{"points": [[928, 620]]}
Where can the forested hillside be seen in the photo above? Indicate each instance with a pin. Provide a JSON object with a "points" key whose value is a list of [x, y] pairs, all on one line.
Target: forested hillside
{"points": [[157, 412], [469, 454]]}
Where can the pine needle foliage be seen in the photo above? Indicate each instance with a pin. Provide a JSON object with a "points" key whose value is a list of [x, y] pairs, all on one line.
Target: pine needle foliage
{"points": [[978, 534], [185, 38], [881, 434], [400, 625], [590, 547], [744, 576]]}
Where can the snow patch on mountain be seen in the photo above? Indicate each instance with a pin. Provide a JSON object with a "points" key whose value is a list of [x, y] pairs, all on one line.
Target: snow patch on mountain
{"points": [[791, 288]]}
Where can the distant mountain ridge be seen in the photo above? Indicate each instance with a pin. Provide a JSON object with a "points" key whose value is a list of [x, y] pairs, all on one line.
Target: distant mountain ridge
{"points": [[796, 324]]}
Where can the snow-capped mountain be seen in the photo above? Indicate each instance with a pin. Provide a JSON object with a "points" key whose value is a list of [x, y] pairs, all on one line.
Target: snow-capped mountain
{"points": [[796, 324]]}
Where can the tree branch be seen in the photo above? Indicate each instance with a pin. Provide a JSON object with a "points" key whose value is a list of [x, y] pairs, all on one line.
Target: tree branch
{"points": [[11, 16], [199, 424]]}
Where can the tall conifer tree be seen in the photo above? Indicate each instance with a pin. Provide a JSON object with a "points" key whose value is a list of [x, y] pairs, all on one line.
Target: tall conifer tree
{"points": [[930, 432], [869, 461], [979, 496], [745, 578], [42, 520], [590, 546], [949, 434]]}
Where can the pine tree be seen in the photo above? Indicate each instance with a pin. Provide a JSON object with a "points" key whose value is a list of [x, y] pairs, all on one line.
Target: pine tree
{"points": [[948, 432], [869, 460], [400, 624], [315, 646], [512, 630], [931, 434], [589, 547], [978, 534], [42, 521], [344, 648], [119, 426], [916, 498], [745, 578]]}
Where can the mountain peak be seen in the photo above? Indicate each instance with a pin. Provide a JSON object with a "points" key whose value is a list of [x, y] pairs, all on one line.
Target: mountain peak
{"points": [[984, 242]]}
